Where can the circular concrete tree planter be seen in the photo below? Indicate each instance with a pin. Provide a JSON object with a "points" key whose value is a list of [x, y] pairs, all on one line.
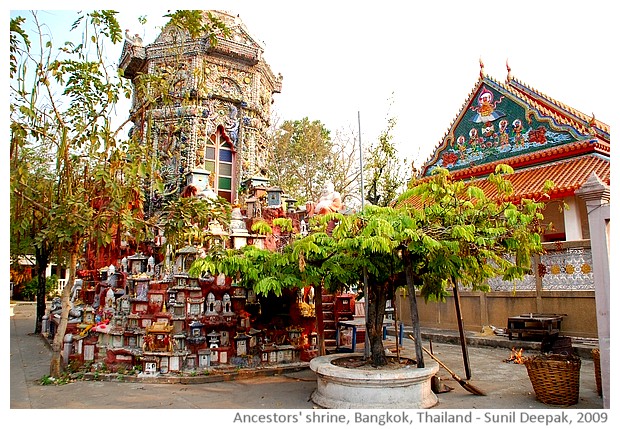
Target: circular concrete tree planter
{"points": [[338, 387]]}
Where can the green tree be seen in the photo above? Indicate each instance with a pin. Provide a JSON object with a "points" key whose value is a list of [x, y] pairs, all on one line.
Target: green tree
{"points": [[299, 158], [93, 182], [384, 174], [32, 175], [62, 101], [28, 166], [453, 235]]}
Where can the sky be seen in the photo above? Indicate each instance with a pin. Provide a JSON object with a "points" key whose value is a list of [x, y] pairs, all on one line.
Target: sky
{"points": [[352, 65]]}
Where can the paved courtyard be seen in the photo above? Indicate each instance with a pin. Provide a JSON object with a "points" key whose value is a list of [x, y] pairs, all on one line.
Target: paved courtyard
{"points": [[506, 384]]}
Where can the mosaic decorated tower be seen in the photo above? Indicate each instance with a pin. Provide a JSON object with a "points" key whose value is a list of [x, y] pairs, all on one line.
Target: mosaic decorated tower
{"points": [[213, 130]]}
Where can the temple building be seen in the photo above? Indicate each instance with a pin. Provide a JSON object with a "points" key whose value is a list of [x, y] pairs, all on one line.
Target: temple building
{"points": [[213, 132], [539, 137], [542, 139]]}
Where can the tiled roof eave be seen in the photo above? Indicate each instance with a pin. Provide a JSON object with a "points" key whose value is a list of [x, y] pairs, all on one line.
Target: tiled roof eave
{"points": [[567, 175], [549, 155], [559, 110], [555, 194]]}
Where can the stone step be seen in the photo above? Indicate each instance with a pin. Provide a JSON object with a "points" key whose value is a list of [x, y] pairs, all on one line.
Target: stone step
{"points": [[330, 342], [329, 333]]}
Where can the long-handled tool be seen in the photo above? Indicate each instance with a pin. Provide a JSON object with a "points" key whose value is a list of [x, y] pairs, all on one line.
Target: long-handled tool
{"points": [[464, 383]]}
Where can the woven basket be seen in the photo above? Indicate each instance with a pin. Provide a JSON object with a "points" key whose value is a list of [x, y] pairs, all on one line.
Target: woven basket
{"points": [[555, 378], [596, 357]]}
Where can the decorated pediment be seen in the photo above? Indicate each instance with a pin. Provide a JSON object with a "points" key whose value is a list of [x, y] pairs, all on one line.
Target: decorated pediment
{"points": [[239, 35], [496, 124], [171, 35]]}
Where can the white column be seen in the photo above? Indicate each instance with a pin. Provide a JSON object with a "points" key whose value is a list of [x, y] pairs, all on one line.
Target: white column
{"points": [[572, 220], [597, 197]]}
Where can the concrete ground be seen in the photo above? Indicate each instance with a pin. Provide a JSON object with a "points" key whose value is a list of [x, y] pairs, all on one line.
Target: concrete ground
{"points": [[506, 384]]}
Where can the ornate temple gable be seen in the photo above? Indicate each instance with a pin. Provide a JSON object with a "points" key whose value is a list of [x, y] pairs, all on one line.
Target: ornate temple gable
{"points": [[560, 111], [499, 123]]}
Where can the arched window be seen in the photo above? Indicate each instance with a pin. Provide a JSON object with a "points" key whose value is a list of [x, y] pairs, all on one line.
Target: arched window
{"points": [[219, 161]]}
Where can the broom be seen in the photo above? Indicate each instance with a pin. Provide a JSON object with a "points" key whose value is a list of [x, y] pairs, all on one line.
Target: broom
{"points": [[465, 384]]}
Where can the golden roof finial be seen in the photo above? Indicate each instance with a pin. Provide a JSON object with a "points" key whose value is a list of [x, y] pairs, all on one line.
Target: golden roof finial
{"points": [[509, 75], [481, 68], [591, 124], [592, 120]]}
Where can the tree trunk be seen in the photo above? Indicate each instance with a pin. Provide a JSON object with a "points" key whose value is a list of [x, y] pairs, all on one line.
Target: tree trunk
{"points": [[396, 324], [377, 297], [415, 317], [318, 309], [57, 363], [459, 319], [42, 256]]}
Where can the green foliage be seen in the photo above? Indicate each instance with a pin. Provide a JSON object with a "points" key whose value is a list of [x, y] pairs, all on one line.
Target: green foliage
{"points": [[17, 33], [299, 158], [456, 236], [85, 178], [383, 170], [185, 221], [46, 380], [31, 288], [262, 227], [476, 236], [285, 224]]}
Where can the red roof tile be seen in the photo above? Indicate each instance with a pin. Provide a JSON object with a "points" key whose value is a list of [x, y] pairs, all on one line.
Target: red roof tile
{"points": [[566, 175], [568, 151]]}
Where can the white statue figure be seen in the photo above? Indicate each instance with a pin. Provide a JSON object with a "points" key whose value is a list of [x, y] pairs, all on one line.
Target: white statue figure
{"points": [[227, 304], [112, 276], [150, 265], [109, 298], [303, 228], [136, 40], [329, 202]]}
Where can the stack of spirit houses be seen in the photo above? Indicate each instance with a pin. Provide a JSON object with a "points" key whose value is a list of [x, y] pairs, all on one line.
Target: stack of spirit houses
{"points": [[139, 317]]}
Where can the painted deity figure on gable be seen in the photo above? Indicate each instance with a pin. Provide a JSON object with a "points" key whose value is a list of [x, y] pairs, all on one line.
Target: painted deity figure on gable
{"points": [[504, 138], [517, 129], [486, 108]]}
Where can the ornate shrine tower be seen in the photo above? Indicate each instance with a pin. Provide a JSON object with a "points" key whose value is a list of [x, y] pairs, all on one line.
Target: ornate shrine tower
{"points": [[213, 129]]}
